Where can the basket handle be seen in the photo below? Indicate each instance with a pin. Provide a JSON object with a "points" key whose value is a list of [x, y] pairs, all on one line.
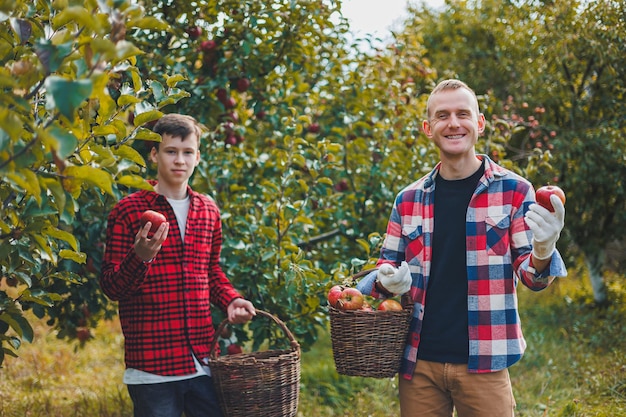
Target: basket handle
{"points": [[292, 340]]}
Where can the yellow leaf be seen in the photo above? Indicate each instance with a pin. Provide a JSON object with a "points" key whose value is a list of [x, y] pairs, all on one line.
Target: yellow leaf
{"points": [[78, 257], [98, 177], [146, 117], [77, 15], [129, 153], [62, 235], [135, 181], [126, 99], [147, 134], [174, 79], [27, 181]]}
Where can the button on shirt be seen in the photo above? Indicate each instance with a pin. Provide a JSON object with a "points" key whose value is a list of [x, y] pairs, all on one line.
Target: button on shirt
{"points": [[498, 245]]}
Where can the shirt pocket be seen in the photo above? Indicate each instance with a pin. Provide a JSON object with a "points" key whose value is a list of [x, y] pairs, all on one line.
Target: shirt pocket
{"points": [[497, 230], [414, 250]]}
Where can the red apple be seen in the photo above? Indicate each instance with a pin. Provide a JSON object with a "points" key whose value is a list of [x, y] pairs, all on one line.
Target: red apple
{"points": [[389, 305], [234, 349], [333, 294], [350, 299], [342, 186], [208, 46], [243, 84], [544, 193], [154, 217], [194, 32], [314, 128]]}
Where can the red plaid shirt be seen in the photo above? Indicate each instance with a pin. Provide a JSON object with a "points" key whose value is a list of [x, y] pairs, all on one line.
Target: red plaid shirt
{"points": [[164, 305]]}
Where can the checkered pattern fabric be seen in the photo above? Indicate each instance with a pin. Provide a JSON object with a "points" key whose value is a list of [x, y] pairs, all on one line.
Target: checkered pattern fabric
{"points": [[498, 255], [164, 305]]}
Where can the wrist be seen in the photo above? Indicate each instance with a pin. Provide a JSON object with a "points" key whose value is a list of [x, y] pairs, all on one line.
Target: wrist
{"points": [[382, 290], [542, 250]]}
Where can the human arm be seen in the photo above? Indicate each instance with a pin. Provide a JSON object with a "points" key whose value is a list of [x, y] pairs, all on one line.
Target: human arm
{"points": [[546, 227], [127, 252], [535, 273]]}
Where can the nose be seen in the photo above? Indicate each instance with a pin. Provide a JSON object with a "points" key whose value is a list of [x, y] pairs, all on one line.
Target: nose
{"points": [[453, 121]]}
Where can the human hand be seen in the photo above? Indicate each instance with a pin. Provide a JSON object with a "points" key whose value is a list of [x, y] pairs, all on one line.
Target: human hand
{"points": [[395, 280], [146, 247], [240, 311], [545, 226]]}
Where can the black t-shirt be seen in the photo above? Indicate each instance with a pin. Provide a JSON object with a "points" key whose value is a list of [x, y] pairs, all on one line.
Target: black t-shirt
{"points": [[444, 334]]}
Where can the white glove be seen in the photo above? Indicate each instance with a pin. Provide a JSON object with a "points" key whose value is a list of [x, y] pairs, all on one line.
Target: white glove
{"points": [[545, 226], [395, 280]]}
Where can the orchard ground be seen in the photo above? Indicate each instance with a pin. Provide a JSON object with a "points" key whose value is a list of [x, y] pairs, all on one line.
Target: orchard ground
{"points": [[575, 366]]}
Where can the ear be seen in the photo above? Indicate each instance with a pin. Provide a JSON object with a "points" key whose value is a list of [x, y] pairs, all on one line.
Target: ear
{"points": [[153, 154], [426, 128], [481, 123]]}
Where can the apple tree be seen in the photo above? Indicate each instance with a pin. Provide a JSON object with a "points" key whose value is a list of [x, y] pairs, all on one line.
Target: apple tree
{"points": [[69, 77], [560, 63]]}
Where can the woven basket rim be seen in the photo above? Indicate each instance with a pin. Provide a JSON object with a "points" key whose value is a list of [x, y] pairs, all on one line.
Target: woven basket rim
{"points": [[294, 345]]}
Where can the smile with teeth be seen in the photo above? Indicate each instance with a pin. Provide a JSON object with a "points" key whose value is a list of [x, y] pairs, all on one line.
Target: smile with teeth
{"points": [[454, 136]]}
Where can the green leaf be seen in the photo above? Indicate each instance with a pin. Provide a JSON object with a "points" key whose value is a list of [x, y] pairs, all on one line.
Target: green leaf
{"points": [[66, 141], [18, 323], [66, 95], [50, 55]]}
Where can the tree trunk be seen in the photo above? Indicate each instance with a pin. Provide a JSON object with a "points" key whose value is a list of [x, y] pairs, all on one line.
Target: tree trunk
{"points": [[595, 263]]}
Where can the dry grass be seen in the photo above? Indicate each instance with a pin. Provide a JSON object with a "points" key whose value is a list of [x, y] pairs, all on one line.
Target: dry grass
{"points": [[575, 366]]}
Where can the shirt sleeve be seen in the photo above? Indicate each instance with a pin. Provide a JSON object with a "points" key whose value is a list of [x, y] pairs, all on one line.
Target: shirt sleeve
{"points": [[522, 248], [222, 290], [123, 271]]}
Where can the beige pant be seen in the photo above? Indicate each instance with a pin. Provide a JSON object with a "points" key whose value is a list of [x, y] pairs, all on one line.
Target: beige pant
{"points": [[438, 388]]}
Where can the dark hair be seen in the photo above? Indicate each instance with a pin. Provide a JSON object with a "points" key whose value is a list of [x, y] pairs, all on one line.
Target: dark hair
{"points": [[177, 125]]}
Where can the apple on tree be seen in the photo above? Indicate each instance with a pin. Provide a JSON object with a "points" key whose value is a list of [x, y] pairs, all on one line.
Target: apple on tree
{"points": [[543, 196], [155, 218]]}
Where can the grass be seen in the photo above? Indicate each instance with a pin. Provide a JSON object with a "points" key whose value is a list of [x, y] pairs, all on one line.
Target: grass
{"points": [[575, 366]]}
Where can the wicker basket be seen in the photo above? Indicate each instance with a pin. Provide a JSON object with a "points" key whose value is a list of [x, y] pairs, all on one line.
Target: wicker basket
{"points": [[258, 384], [369, 343]]}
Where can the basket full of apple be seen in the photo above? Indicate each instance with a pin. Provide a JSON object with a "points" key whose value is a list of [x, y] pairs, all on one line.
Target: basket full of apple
{"points": [[368, 336]]}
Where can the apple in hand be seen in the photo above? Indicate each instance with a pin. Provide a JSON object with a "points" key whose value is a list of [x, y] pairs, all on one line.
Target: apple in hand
{"points": [[154, 217], [350, 299], [543, 196], [389, 305]]}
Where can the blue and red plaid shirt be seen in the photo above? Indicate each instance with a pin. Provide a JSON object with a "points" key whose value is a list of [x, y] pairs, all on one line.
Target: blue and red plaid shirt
{"points": [[164, 305], [498, 255]]}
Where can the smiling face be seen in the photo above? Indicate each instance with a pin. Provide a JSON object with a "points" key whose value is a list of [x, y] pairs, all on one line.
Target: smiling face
{"points": [[454, 123], [176, 159]]}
